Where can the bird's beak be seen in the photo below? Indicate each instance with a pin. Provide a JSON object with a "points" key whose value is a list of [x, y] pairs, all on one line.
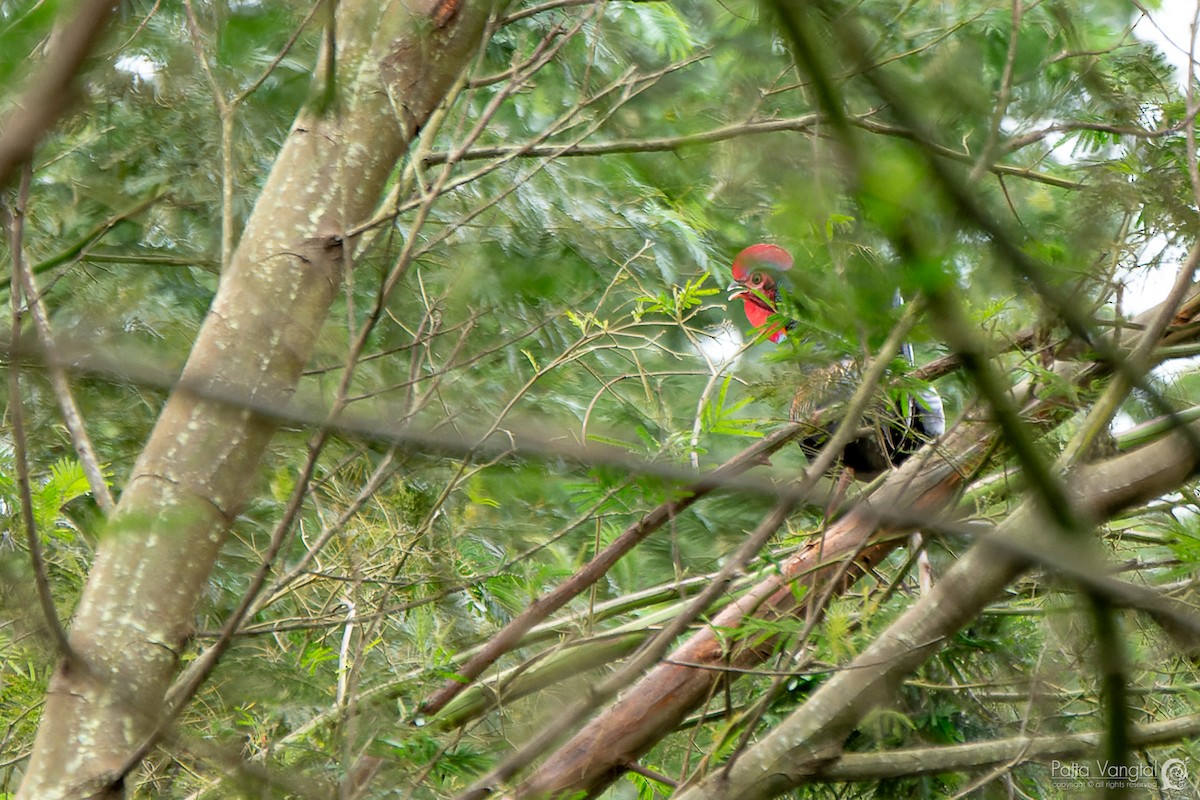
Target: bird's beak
{"points": [[744, 292]]}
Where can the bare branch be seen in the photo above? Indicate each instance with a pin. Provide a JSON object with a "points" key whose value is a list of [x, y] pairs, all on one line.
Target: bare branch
{"points": [[808, 123], [1009, 752], [15, 216], [799, 749], [48, 93], [603, 561]]}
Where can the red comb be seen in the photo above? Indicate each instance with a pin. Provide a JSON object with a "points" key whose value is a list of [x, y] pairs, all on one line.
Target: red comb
{"points": [[762, 255]]}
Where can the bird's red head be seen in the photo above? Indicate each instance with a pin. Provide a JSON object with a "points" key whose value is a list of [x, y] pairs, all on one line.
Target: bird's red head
{"points": [[754, 272]]}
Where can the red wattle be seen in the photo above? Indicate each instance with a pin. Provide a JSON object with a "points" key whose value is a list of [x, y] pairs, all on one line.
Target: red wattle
{"points": [[758, 314]]}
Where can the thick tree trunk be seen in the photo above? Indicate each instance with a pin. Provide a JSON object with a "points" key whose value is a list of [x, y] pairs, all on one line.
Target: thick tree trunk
{"points": [[393, 67]]}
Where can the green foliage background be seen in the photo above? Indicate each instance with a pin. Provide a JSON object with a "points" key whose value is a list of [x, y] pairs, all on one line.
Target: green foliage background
{"points": [[562, 297]]}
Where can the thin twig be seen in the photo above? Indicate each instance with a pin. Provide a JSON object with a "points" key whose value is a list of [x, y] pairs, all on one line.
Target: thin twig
{"points": [[1003, 98], [72, 416], [16, 418]]}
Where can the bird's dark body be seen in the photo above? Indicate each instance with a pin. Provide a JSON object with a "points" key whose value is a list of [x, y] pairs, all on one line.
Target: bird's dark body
{"points": [[881, 444], [888, 434], [891, 430]]}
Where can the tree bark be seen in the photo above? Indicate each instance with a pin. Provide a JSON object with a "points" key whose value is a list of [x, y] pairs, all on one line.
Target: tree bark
{"points": [[393, 67], [809, 742], [599, 753], [882, 765], [544, 606]]}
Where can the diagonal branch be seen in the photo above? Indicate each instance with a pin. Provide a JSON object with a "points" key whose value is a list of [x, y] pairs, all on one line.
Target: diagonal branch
{"points": [[598, 754], [803, 746], [48, 93], [603, 561]]}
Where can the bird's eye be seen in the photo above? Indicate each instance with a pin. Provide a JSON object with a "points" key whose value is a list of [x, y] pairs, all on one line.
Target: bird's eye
{"points": [[757, 279]]}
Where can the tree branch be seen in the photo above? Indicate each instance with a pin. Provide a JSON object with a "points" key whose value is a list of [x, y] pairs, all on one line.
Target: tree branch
{"points": [[1011, 752], [808, 123], [810, 739], [48, 93]]}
